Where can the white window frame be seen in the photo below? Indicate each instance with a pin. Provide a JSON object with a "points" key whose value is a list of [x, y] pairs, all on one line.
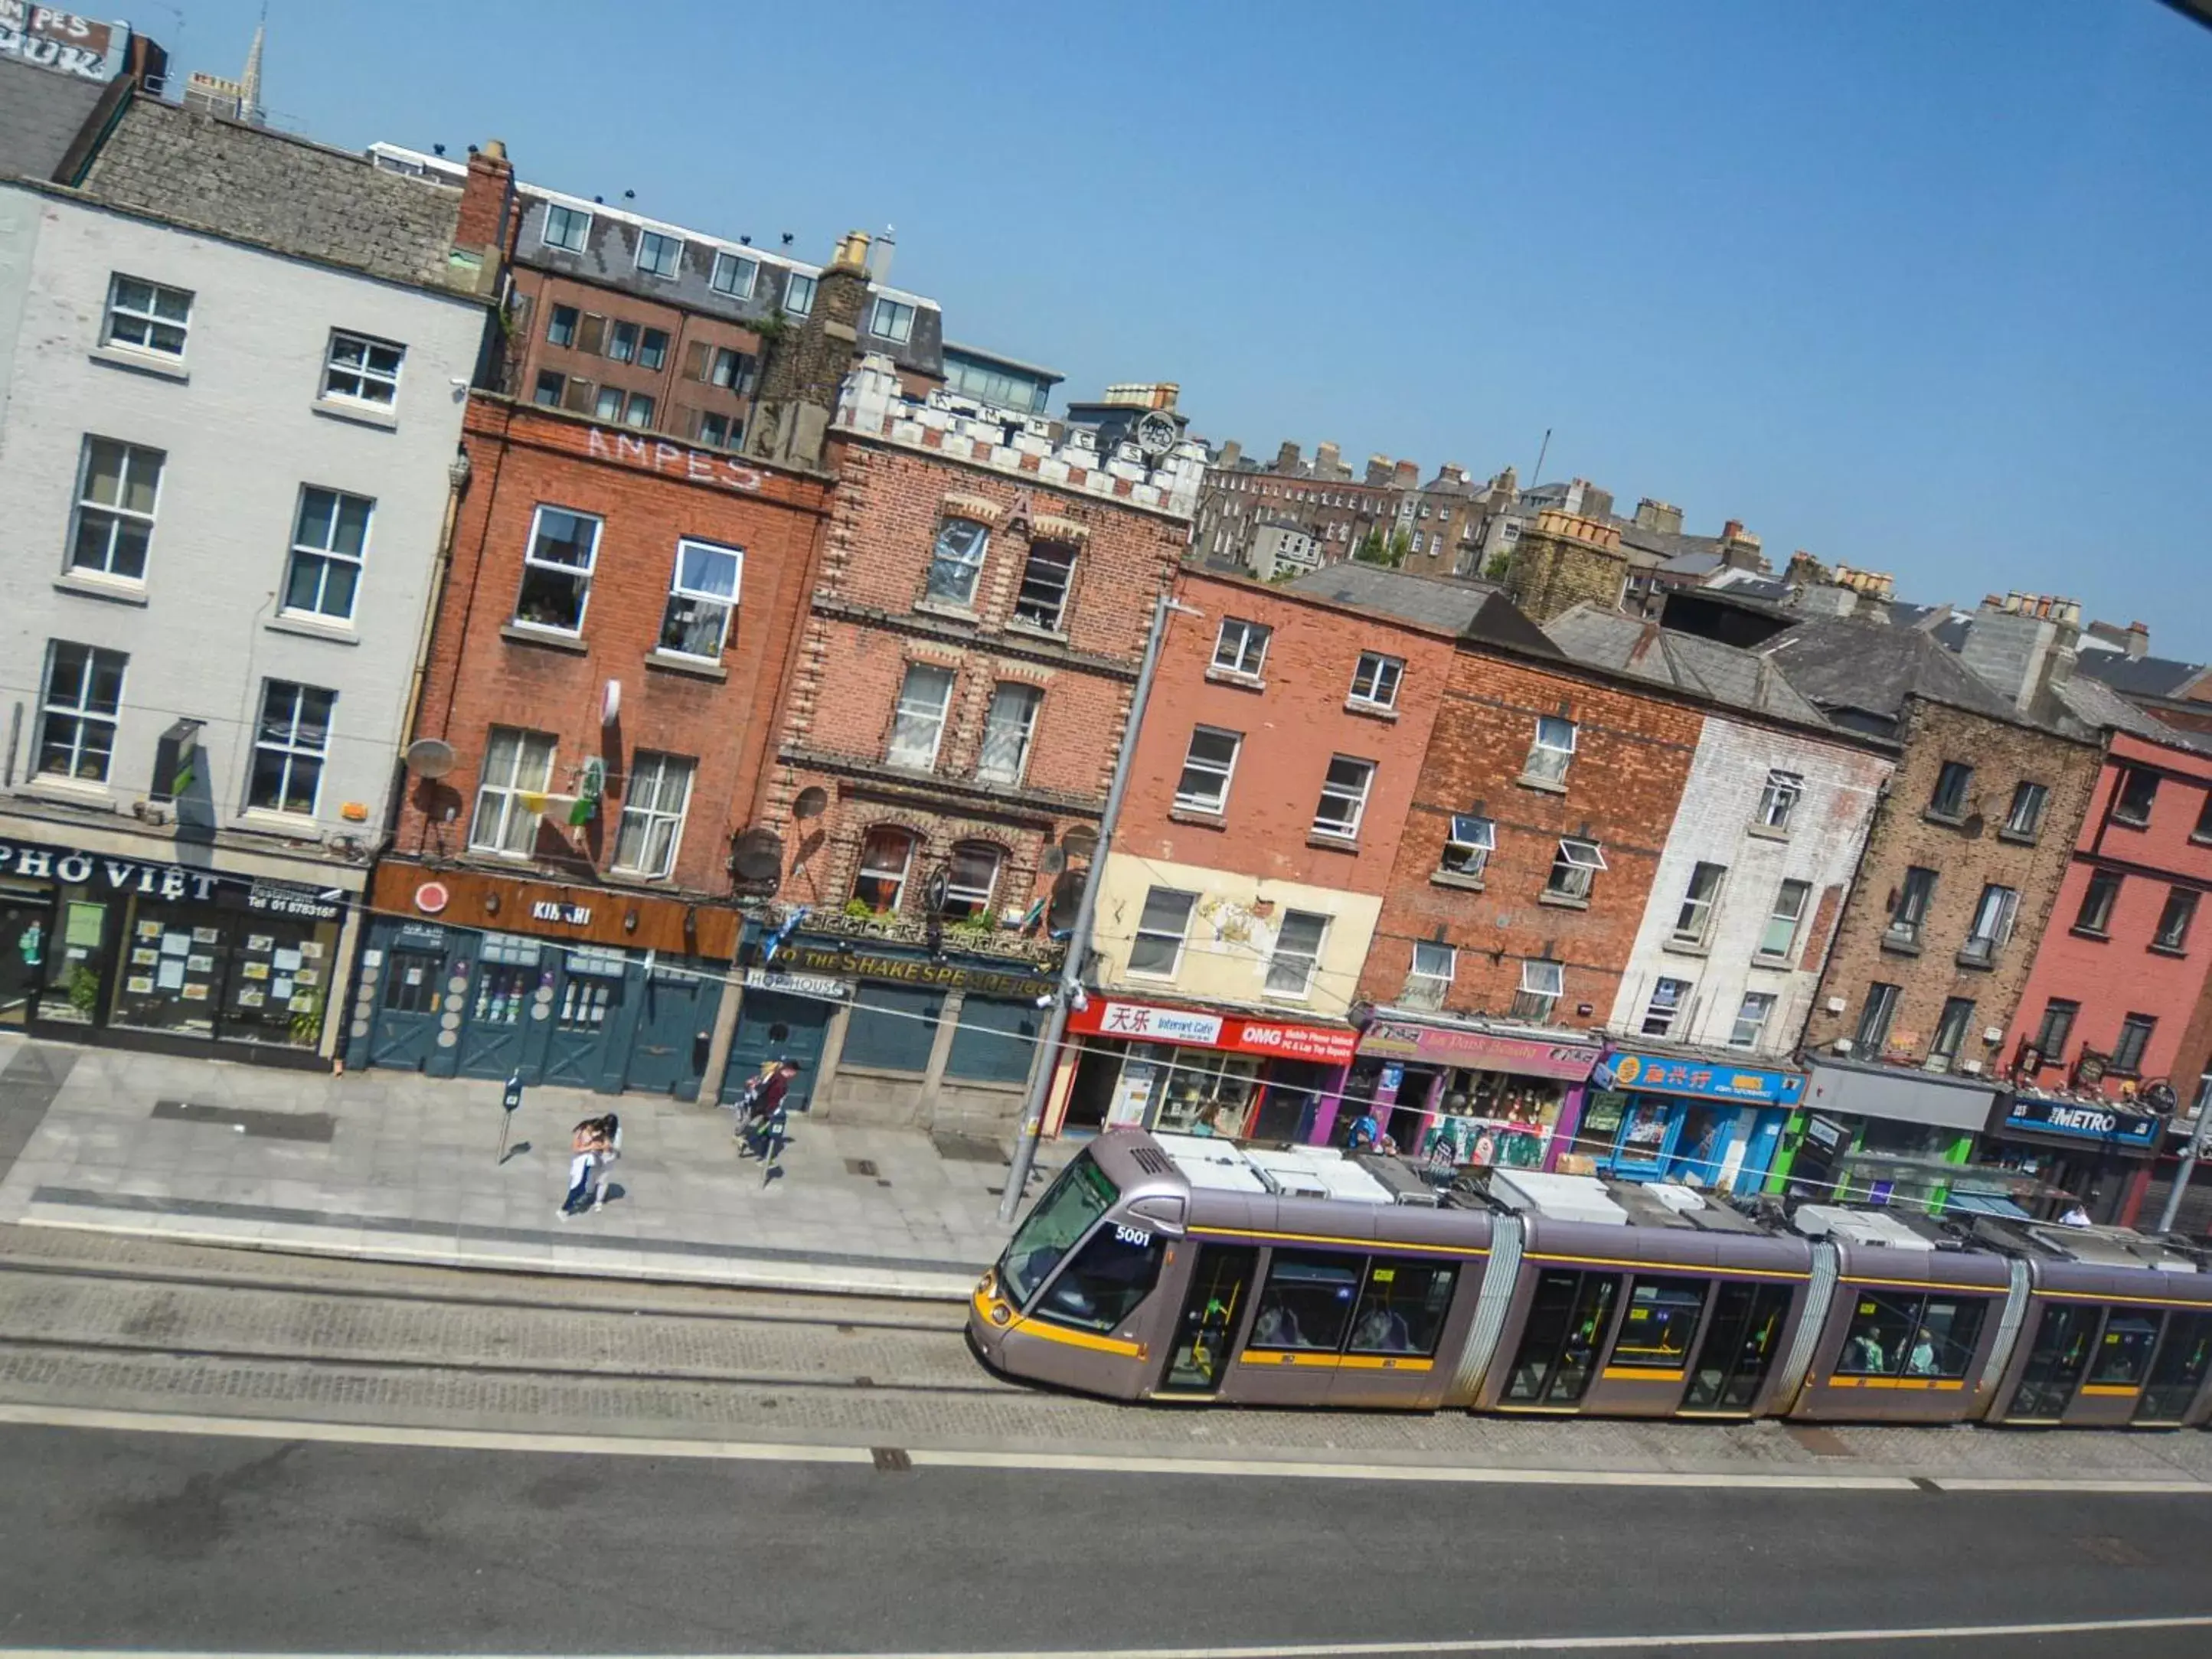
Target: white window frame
{"points": [[1543, 981], [977, 900], [1658, 1020], [1227, 771], [798, 283], [531, 560], [1181, 936], [578, 219], [114, 517], [281, 734], [1995, 913], [1693, 919], [1475, 838], [675, 260], [861, 872], [1009, 693], [366, 377], [1764, 1001], [1583, 860], [1795, 919], [503, 793], [145, 319], [1380, 675], [1428, 986], [84, 713], [1332, 789], [901, 326], [327, 557], [1780, 799], [702, 601], [1550, 727], [1302, 964], [645, 819], [724, 260], [1240, 646], [914, 719], [954, 555]]}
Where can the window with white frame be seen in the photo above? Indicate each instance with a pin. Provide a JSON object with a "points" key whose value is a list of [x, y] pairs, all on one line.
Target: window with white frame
{"points": [[289, 746], [918, 723], [1156, 951], [1780, 799], [1468, 844], [146, 316], [1750, 1029], [566, 228], [798, 295], [1046, 577], [1208, 768], [1374, 680], [654, 799], [118, 487], [1693, 921], [1007, 729], [1780, 936], [1670, 1000], [971, 877], [658, 255], [79, 711], [1241, 648], [886, 858], [361, 370], [518, 774], [957, 562], [735, 274], [1541, 984], [1297, 954], [1994, 914], [1429, 980], [1343, 797], [1553, 750], [892, 320], [330, 538], [702, 598], [1572, 868], [556, 569]]}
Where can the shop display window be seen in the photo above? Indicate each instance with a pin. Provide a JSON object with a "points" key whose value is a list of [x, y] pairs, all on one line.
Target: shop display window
{"points": [[1207, 1093], [76, 971], [1494, 1119]]}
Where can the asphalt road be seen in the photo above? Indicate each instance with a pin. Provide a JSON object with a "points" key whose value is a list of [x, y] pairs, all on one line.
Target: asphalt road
{"points": [[116, 1540]]}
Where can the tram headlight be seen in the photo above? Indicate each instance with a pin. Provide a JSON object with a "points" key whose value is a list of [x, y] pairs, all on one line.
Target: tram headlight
{"points": [[999, 1314]]}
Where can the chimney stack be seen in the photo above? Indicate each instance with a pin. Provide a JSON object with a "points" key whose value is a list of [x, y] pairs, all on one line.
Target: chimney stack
{"points": [[1378, 469], [1286, 458], [1407, 475], [808, 365], [2138, 640], [1231, 453], [1662, 516], [879, 257], [485, 228]]}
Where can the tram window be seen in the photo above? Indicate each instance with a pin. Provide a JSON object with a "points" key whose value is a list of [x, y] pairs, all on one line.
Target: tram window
{"points": [[1549, 1310], [1110, 1276], [2178, 1372], [1402, 1309], [1307, 1302], [1944, 1345], [1063, 1215], [1661, 1318], [1567, 1320], [2124, 1354], [1739, 1347], [1880, 1335]]}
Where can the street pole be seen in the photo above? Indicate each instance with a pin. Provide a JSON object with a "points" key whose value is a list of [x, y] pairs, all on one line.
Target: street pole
{"points": [[1078, 940], [2199, 1144]]}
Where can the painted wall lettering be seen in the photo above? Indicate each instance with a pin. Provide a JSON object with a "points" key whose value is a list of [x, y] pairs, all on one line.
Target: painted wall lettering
{"points": [[656, 456]]}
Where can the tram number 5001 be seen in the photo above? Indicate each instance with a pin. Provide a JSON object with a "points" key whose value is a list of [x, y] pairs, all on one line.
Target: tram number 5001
{"points": [[1136, 1237]]}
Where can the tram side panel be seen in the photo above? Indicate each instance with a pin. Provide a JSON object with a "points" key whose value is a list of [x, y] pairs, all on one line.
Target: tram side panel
{"points": [[2105, 1347], [1908, 1333]]}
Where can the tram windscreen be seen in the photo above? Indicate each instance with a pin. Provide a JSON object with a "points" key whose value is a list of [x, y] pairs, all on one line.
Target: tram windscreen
{"points": [[1064, 1215]]}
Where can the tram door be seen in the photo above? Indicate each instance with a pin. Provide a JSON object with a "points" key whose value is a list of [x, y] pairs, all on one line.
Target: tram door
{"points": [[1740, 1347], [2063, 1338], [2183, 1358], [1220, 1288], [1569, 1317]]}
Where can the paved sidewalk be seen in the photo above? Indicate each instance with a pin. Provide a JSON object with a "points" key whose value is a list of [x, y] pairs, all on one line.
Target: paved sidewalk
{"points": [[392, 1166]]}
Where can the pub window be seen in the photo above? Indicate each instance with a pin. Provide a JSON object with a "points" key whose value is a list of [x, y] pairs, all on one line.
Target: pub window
{"points": [[886, 856], [970, 879]]}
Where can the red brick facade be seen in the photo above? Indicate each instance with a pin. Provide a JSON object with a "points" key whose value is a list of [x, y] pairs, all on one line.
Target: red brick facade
{"points": [[486, 669]]}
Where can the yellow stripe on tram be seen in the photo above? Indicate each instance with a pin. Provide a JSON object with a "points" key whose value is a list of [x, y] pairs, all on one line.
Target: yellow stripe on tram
{"points": [[2112, 1390], [1639, 1374], [1050, 1333], [1689, 1269], [2145, 1301]]}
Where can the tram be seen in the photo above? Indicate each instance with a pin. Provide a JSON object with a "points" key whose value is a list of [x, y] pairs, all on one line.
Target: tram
{"points": [[1171, 1268]]}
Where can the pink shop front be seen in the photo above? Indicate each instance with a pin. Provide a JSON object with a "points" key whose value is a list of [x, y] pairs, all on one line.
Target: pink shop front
{"points": [[1471, 1092]]}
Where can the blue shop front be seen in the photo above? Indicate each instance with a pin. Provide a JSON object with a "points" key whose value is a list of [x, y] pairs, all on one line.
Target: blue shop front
{"points": [[1703, 1119]]}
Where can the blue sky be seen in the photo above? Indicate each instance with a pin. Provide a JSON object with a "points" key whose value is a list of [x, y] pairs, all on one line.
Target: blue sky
{"points": [[1915, 286]]}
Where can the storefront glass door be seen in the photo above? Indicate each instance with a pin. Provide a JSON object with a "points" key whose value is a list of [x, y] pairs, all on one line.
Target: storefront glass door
{"points": [[773, 1025], [1739, 1347], [1220, 1285], [505, 1006], [586, 1002], [26, 922]]}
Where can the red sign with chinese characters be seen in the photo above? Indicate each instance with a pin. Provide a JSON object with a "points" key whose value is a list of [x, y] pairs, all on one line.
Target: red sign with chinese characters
{"points": [[1145, 1022]]}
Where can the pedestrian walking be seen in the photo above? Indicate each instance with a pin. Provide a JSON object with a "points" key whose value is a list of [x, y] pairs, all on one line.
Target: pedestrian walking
{"points": [[764, 1110], [603, 1158], [584, 1145]]}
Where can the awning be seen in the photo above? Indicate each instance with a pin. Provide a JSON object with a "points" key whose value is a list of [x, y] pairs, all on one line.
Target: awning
{"points": [[1899, 1095], [1984, 1204]]}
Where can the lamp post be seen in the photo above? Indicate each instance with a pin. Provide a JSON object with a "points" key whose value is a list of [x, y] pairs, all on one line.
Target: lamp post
{"points": [[1070, 985]]}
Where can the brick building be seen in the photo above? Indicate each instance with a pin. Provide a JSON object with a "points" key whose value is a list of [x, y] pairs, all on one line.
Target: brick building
{"points": [[971, 645], [1322, 499], [1271, 779]]}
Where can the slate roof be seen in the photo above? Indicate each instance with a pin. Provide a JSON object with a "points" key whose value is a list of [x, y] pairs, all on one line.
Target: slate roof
{"points": [[249, 184], [1747, 585], [2098, 707], [1428, 600], [1869, 667], [41, 113], [2138, 677], [1686, 662]]}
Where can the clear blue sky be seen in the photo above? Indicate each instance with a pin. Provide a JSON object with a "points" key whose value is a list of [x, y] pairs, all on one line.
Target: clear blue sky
{"points": [[1917, 284]]}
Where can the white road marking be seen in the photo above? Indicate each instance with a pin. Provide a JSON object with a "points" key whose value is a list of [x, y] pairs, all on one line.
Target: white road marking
{"points": [[770, 1451]]}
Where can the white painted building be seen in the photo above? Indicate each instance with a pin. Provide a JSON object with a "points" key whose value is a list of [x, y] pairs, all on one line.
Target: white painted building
{"points": [[233, 366]]}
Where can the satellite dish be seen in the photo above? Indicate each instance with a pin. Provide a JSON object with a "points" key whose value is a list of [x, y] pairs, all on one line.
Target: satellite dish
{"points": [[1052, 861], [1080, 842], [430, 757], [810, 802], [1067, 899], [757, 855]]}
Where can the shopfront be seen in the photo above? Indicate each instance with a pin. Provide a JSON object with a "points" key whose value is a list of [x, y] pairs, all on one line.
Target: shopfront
{"points": [[102, 946], [1460, 1093], [1192, 1071], [1883, 1134], [470, 974], [1702, 1119], [2077, 1150]]}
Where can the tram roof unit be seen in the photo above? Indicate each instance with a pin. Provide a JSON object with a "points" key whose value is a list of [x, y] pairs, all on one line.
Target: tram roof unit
{"points": [[2105, 1247]]}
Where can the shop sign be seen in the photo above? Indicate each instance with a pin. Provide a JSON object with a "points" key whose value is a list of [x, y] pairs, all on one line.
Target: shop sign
{"points": [[1145, 1022], [575, 915], [432, 896], [2040, 1115], [278, 898], [1656, 1073], [1481, 1051], [424, 935], [913, 970], [820, 985], [1824, 1132]]}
